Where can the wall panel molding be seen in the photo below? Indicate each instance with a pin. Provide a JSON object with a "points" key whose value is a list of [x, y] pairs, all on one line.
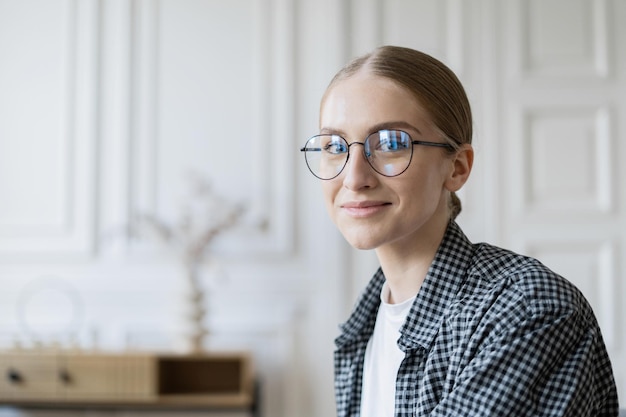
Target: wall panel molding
{"points": [[561, 162], [556, 45], [70, 185], [267, 228]]}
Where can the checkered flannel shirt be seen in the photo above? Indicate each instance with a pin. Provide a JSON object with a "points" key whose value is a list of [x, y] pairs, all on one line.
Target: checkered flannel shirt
{"points": [[490, 333]]}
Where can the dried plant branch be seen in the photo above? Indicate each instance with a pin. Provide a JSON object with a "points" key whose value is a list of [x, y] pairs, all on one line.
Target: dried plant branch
{"points": [[203, 217]]}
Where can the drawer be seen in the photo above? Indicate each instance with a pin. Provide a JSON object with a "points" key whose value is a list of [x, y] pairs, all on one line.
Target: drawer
{"points": [[95, 378], [28, 376]]}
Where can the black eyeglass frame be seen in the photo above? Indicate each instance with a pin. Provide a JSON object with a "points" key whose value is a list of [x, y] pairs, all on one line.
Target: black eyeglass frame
{"points": [[413, 142]]}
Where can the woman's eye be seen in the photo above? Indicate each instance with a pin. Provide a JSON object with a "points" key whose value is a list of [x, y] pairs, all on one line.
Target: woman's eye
{"points": [[391, 145], [336, 147], [391, 141], [388, 145]]}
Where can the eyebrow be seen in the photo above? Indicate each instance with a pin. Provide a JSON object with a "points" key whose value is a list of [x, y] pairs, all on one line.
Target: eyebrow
{"points": [[375, 128]]}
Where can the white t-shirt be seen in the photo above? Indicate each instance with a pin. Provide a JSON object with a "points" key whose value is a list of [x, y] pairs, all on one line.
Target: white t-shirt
{"points": [[383, 358]]}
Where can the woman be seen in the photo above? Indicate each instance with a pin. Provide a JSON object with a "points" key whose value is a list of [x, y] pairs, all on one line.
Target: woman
{"points": [[445, 327]]}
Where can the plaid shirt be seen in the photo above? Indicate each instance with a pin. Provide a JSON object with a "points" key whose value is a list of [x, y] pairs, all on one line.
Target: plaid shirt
{"points": [[491, 333]]}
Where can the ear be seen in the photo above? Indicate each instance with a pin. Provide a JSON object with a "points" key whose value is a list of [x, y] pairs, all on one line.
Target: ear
{"points": [[461, 167]]}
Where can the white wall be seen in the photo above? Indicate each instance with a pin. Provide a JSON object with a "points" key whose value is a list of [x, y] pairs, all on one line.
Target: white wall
{"points": [[105, 106]]}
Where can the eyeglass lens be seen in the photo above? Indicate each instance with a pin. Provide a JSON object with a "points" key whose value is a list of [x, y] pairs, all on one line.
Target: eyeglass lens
{"points": [[389, 153]]}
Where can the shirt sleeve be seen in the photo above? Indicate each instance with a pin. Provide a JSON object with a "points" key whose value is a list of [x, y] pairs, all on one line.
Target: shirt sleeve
{"points": [[545, 365]]}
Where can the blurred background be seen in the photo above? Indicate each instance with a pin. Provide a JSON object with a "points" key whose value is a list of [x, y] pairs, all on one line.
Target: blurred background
{"points": [[121, 119]]}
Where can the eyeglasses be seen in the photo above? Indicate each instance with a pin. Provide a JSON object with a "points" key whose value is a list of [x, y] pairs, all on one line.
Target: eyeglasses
{"points": [[389, 153]]}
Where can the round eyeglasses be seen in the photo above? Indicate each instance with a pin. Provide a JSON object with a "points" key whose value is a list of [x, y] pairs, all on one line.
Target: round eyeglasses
{"points": [[389, 153]]}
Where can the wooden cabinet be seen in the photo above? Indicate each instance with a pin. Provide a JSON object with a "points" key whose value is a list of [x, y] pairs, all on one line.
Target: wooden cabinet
{"points": [[220, 380]]}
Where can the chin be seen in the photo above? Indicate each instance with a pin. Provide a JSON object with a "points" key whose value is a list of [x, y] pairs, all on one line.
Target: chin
{"points": [[362, 238], [361, 244]]}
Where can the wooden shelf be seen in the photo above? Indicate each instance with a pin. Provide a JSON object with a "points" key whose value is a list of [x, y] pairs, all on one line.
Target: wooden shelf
{"points": [[211, 380]]}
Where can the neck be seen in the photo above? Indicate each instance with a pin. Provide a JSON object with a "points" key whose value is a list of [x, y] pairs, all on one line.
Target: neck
{"points": [[406, 263]]}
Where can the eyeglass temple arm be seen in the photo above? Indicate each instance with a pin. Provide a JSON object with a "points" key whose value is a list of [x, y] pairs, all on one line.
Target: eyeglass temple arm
{"points": [[437, 144]]}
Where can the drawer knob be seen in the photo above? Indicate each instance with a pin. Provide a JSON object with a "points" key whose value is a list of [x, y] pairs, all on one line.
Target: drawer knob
{"points": [[14, 376], [64, 376]]}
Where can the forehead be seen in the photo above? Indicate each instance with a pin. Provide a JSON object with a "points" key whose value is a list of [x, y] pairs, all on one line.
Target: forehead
{"points": [[364, 100]]}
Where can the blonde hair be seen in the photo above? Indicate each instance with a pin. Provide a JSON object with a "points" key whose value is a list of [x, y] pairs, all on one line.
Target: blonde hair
{"points": [[432, 83]]}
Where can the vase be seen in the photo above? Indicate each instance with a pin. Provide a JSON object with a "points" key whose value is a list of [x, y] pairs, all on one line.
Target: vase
{"points": [[193, 313]]}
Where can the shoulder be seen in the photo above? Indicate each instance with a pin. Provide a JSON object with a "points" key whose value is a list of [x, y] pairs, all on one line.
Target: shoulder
{"points": [[509, 280]]}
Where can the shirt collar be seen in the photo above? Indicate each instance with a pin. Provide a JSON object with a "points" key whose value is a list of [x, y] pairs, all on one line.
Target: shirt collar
{"points": [[360, 324], [443, 281]]}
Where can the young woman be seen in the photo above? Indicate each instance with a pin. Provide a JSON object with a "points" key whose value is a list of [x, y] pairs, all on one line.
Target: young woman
{"points": [[445, 327]]}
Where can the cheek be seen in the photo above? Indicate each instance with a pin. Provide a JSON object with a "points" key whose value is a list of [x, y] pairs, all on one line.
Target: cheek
{"points": [[432, 172], [424, 187], [329, 191]]}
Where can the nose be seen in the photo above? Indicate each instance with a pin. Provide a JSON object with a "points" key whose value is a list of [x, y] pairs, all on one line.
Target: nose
{"points": [[358, 171]]}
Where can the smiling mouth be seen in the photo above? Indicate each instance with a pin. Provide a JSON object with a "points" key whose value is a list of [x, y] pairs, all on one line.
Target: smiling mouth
{"points": [[365, 209]]}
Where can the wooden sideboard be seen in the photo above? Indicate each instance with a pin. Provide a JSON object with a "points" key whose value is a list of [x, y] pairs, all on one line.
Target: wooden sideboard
{"points": [[62, 379]]}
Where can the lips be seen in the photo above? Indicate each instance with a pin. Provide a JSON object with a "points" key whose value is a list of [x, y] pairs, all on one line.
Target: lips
{"points": [[364, 208]]}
